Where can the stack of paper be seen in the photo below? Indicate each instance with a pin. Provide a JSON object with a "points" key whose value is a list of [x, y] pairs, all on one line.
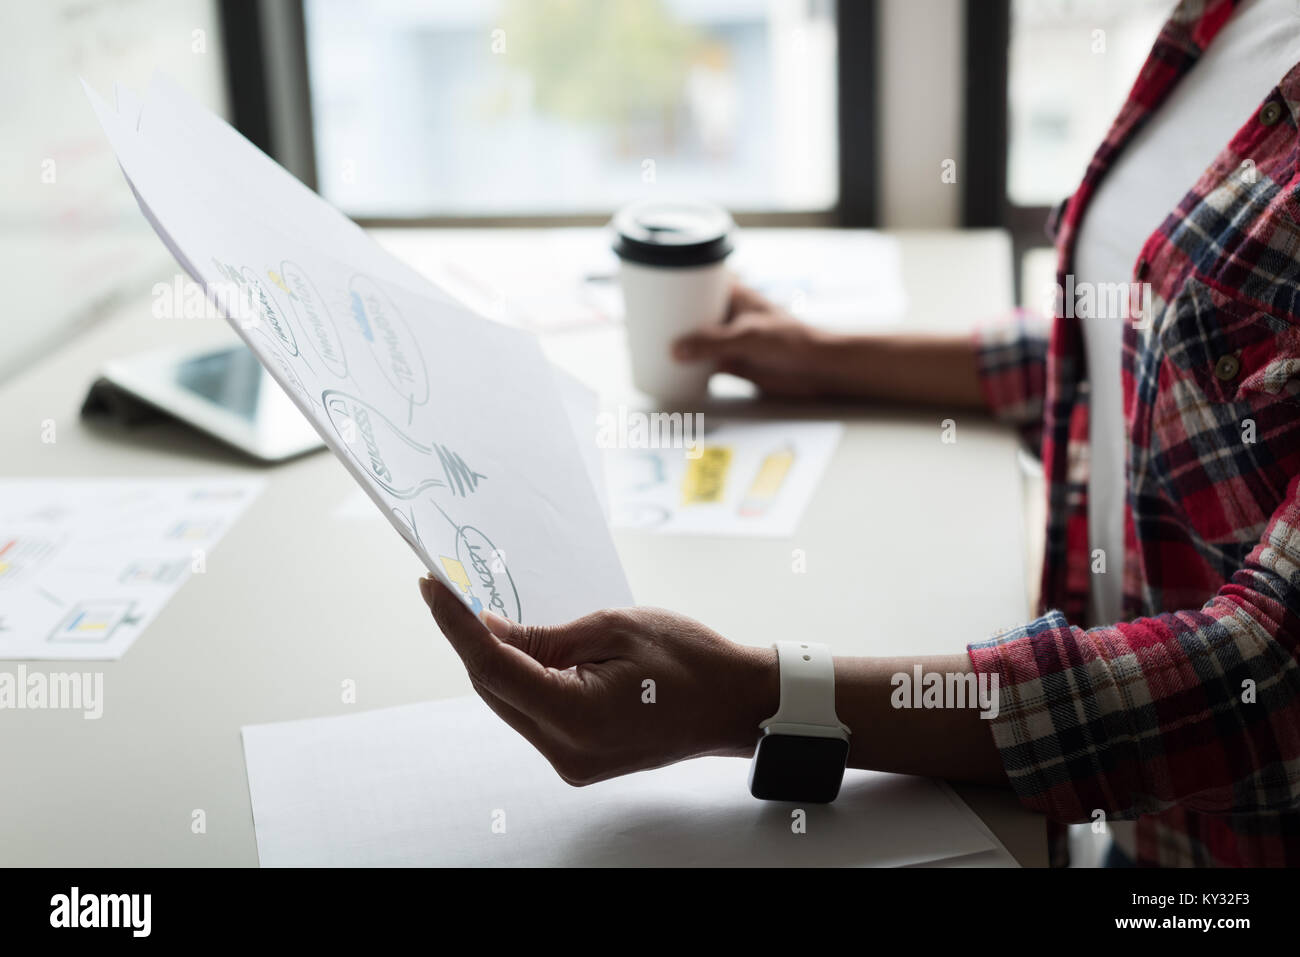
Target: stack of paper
{"points": [[451, 423], [449, 784]]}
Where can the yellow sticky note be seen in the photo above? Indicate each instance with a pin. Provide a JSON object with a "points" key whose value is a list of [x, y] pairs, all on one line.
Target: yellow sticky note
{"points": [[705, 481], [767, 483], [456, 572]]}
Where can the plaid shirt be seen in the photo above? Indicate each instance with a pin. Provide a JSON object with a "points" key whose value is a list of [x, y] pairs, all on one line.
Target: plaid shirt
{"points": [[1185, 716]]}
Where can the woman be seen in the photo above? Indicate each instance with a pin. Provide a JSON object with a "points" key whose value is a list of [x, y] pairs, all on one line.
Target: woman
{"points": [[1171, 446]]}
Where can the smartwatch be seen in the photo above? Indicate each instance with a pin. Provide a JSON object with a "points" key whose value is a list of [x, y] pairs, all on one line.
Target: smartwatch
{"points": [[803, 748]]}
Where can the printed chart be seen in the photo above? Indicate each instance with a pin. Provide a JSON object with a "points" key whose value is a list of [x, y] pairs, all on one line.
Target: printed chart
{"points": [[86, 564]]}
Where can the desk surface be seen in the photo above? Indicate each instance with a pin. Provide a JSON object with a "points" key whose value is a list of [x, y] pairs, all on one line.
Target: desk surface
{"points": [[225, 653]]}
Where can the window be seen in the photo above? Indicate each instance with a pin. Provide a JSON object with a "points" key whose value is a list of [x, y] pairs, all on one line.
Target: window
{"points": [[1071, 65], [441, 108], [1045, 79]]}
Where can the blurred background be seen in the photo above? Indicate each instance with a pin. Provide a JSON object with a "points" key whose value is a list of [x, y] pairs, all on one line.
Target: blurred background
{"points": [[553, 112]]}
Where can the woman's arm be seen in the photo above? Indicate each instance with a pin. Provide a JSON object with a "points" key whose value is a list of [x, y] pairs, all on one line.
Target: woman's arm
{"points": [[1000, 368], [1199, 707], [637, 688], [946, 742]]}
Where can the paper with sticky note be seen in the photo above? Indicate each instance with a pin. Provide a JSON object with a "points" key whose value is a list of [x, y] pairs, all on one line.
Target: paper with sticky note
{"points": [[451, 424], [739, 478]]}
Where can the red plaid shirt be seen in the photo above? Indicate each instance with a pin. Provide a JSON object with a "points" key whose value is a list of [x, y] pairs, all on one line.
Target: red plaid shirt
{"points": [[1186, 716]]}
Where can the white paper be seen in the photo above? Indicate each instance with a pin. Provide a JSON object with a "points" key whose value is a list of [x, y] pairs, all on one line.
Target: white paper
{"points": [[745, 478], [451, 423], [849, 280], [580, 405], [844, 279], [86, 564], [448, 783]]}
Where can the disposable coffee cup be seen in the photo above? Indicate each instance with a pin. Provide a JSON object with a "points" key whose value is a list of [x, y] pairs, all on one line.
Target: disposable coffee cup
{"points": [[672, 269]]}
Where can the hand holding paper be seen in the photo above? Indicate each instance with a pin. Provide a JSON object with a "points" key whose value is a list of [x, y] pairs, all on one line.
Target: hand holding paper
{"points": [[585, 694]]}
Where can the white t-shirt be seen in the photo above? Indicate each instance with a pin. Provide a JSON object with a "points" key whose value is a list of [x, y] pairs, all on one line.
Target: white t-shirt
{"points": [[1252, 52]]}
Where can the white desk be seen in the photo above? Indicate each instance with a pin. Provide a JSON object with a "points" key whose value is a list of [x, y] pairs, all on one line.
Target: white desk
{"points": [[227, 652]]}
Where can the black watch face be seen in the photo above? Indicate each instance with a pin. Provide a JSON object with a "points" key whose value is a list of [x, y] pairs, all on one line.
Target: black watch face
{"points": [[794, 768]]}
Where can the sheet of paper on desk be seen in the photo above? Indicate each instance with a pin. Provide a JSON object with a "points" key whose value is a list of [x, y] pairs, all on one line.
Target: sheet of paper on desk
{"points": [[843, 279], [451, 423], [739, 478], [448, 783], [86, 564], [849, 280]]}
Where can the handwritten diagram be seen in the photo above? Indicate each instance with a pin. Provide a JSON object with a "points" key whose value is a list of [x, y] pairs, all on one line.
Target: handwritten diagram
{"points": [[403, 465], [398, 462], [369, 438], [453, 424], [314, 317], [475, 567], [391, 342]]}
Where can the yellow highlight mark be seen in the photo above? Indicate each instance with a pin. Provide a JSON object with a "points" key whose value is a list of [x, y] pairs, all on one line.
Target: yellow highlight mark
{"points": [[275, 278], [705, 481], [771, 475], [456, 572]]}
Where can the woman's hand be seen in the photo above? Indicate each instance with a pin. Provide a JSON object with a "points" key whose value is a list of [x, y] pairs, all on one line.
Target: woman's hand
{"points": [[762, 342], [615, 691]]}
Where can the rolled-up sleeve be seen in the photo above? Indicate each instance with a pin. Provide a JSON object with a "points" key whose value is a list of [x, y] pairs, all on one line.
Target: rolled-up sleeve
{"points": [[1011, 359], [1199, 708]]}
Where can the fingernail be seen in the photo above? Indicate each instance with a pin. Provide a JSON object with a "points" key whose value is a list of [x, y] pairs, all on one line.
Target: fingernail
{"points": [[496, 624], [426, 590]]}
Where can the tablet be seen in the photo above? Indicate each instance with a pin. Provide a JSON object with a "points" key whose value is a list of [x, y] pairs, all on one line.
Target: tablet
{"points": [[224, 392]]}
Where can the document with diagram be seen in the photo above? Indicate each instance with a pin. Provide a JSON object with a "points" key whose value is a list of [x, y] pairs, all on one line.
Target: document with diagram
{"points": [[86, 564], [451, 423], [734, 478]]}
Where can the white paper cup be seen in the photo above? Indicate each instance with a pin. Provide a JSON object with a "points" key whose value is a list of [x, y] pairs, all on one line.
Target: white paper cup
{"points": [[673, 272]]}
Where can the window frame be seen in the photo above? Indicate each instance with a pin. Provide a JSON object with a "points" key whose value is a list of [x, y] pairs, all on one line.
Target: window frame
{"points": [[985, 202], [270, 101]]}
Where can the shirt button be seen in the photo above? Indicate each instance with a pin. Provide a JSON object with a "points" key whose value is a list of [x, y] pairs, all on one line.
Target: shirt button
{"points": [[1226, 368], [1271, 113]]}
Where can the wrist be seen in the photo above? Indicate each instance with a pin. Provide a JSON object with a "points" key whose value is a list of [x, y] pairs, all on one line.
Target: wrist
{"points": [[756, 697], [842, 361]]}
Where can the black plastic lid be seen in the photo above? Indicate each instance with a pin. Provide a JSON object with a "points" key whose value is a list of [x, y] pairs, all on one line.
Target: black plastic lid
{"points": [[667, 233]]}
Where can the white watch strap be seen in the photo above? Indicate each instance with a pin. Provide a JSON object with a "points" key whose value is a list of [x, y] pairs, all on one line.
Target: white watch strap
{"points": [[807, 691]]}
